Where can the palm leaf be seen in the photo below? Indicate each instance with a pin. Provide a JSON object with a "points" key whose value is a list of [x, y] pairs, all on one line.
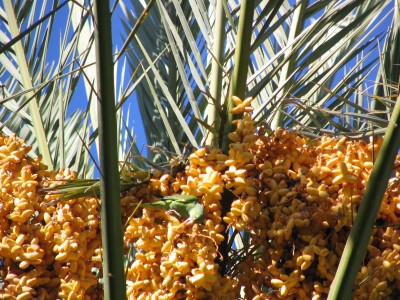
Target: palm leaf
{"points": [[298, 52], [53, 84]]}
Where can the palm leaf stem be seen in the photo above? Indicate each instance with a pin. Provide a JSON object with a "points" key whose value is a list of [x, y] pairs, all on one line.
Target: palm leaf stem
{"points": [[237, 88], [357, 242], [241, 66], [111, 222], [216, 72]]}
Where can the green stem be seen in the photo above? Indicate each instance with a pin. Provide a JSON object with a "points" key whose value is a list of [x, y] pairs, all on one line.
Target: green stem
{"points": [[213, 119], [237, 88], [111, 223], [241, 65], [360, 233]]}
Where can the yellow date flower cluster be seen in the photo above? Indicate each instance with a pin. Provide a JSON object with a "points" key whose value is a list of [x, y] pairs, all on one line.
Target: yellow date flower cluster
{"points": [[46, 252], [295, 198], [298, 198], [175, 260]]}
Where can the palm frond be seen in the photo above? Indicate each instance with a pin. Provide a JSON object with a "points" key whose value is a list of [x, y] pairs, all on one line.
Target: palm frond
{"points": [[298, 52]]}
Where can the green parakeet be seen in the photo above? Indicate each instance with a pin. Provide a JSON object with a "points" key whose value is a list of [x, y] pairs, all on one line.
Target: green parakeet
{"points": [[186, 207]]}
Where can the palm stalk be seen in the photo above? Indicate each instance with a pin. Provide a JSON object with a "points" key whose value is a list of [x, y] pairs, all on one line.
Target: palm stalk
{"points": [[237, 88], [238, 82], [111, 223], [216, 73], [357, 242]]}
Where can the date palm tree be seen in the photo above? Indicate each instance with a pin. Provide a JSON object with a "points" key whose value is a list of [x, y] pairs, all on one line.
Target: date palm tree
{"points": [[315, 66]]}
